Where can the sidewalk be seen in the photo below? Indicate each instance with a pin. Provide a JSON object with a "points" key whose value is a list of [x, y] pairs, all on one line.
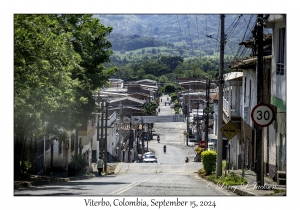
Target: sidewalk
{"points": [[252, 189], [38, 180]]}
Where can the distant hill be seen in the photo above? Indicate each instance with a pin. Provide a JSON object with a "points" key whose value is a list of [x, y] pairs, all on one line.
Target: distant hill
{"points": [[191, 31]]}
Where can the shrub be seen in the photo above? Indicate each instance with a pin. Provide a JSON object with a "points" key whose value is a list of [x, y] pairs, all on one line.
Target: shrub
{"points": [[209, 159], [77, 165], [26, 165]]}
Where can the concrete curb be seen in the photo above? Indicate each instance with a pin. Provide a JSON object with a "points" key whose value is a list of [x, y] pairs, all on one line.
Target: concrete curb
{"points": [[244, 192], [241, 192], [234, 190]]}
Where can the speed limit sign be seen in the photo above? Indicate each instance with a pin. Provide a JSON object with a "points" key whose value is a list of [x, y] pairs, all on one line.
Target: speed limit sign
{"points": [[262, 115]]}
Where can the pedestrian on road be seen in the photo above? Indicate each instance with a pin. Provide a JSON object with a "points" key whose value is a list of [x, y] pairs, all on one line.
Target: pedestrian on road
{"points": [[99, 164]]}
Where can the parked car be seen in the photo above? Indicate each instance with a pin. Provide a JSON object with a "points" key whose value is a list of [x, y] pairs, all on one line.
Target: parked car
{"points": [[172, 106], [147, 153], [150, 159]]}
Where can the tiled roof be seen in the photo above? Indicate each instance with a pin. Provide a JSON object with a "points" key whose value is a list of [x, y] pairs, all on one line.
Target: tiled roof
{"points": [[245, 61], [250, 42]]}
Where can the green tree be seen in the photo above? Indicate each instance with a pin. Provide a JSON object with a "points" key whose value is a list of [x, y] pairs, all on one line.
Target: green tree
{"points": [[58, 62], [149, 109], [163, 79], [169, 88], [171, 61]]}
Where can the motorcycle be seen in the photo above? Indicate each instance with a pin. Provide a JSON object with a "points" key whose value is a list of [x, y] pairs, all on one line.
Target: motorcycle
{"points": [[165, 149]]}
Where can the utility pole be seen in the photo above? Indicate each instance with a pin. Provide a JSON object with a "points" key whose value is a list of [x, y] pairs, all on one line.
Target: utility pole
{"points": [[148, 136], [143, 136], [102, 123], [98, 120], [120, 127], [198, 130], [260, 77], [220, 102], [105, 138], [187, 117], [187, 124], [207, 110]]}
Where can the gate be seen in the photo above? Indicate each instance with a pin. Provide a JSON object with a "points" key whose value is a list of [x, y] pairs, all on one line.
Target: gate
{"points": [[40, 157]]}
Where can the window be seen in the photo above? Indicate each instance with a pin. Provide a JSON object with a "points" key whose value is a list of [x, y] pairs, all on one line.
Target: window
{"points": [[280, 66]]}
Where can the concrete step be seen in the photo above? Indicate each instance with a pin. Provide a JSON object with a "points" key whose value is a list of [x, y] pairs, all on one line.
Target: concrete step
{"points": [[281, 174], [281, 177], [281, 181]]}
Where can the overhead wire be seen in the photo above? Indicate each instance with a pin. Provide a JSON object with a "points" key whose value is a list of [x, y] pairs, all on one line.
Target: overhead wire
{"points": [[181, 34], [198, 37], [190, 35], [242, 50], [218, 43], [230, 32], [206, 33], [233, 26]]}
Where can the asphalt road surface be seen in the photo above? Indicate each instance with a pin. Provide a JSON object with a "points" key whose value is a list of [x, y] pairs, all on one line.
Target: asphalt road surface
{"points": [[170, 176]]}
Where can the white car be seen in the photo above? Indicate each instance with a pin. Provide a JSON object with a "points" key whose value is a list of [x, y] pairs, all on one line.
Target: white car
{"points": [[150, 159], [147, 153]]}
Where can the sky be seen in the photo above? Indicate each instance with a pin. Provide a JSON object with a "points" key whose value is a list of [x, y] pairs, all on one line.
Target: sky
{"points": [[9, 8]]}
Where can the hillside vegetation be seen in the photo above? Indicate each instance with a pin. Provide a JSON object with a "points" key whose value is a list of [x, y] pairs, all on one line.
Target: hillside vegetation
{"points": [[141, 43]]}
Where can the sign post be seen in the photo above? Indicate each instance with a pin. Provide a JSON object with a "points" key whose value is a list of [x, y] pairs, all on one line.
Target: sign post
{"points": [[229, 130], [202, 144]]}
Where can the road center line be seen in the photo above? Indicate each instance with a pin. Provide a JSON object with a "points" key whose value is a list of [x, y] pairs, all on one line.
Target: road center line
{"points": [[128, 187]]}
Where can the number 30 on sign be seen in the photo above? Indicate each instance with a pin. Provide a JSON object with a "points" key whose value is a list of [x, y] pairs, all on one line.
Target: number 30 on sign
{"points": [[262, 115]]}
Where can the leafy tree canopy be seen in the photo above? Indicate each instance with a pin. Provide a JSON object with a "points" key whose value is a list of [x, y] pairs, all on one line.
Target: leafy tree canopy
{"points": [[58, 62]]}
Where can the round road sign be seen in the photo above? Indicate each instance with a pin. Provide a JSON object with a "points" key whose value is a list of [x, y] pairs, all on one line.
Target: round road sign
{"points": [[202, 144], [262, 115]]}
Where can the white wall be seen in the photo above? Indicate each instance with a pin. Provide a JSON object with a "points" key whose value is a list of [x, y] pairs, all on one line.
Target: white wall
{"points": [[249, 75], [278, 87], [57, 158]]}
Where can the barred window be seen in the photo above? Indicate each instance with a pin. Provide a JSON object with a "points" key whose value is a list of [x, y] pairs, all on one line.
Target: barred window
{"points": [[280, 66]]}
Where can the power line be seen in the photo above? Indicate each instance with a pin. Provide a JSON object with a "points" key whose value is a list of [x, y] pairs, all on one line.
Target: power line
{"points": [[181, 34], [242, 49], [217, 46], [198, 37], [234, 26], [190, 34]]}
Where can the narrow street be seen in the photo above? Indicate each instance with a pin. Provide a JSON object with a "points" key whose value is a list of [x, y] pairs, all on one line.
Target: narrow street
{"points": [[170, 176]]}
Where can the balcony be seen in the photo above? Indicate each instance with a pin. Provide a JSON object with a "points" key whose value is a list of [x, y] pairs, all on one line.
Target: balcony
{"points": [[231, 112]]}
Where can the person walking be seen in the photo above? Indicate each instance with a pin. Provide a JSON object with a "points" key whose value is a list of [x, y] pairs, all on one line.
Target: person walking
{"points": [[99, 164]]}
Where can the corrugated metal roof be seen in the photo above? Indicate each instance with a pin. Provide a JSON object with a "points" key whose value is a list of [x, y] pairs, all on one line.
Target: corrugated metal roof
{"points": [[128, 98], [232, 75]]}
